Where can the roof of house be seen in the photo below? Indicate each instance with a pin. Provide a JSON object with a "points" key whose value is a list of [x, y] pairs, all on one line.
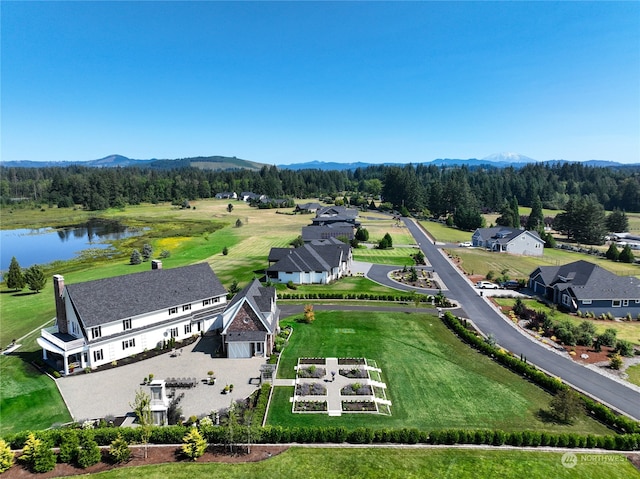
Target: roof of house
{"points": [[309, 258], [309, 206], [589, 281], [105, 300], [312, 232], [259, 298], [503, 234]]}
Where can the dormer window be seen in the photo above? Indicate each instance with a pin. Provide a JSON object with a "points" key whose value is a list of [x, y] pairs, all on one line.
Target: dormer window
{"points": [[173, 311], [186, 307], [126, 324]]}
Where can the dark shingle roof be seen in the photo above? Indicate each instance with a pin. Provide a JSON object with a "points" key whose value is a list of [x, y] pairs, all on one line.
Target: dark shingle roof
{"points": [[259, 296], [587, 280], [309, 258], [110, 299]]}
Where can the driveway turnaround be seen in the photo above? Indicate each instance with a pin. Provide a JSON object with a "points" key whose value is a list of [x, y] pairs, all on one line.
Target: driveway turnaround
{"points": [[614, 393], [110, 392]]}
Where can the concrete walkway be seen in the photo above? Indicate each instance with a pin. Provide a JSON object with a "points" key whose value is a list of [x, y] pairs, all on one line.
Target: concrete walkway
{"points": [[111, 392]]}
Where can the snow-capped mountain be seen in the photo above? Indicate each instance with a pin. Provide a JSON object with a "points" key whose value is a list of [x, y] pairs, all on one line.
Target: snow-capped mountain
{"points": [[508, 157]]}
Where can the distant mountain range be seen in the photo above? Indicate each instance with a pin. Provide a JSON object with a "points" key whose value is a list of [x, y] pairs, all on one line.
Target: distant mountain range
{"points": [[218, 163]]}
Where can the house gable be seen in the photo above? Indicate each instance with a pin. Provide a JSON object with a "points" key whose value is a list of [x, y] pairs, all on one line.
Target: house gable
{"points": [[244, 320]]}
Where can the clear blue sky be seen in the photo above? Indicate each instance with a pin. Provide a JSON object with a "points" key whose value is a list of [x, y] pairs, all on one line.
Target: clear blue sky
{"points": [[286, 82]]}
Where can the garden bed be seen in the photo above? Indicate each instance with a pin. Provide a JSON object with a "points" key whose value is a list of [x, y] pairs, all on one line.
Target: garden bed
{"points": [[362, 406], [310, 389], [310, 406], [356, 389], [311, 372], [354, 373]]}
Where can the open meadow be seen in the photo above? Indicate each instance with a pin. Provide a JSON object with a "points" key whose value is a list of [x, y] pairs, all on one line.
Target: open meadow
{"points": [[396, 463], [433, 379]]}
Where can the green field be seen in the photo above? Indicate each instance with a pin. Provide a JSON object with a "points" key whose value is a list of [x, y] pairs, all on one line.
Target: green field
{"points": [[399, 256], [433, 379], [634, 374], [400, 463]]}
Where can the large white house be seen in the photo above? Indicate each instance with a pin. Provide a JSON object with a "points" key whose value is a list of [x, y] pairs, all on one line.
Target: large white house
{"points": [[98, 322], [509, 240], [317, 262]]}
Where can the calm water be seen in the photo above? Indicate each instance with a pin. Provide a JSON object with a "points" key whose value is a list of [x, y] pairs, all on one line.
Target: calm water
{"points": [[44, 245]]}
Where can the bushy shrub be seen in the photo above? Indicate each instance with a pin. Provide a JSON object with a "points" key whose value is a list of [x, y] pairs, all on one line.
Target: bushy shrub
{"points": [[194, 445], [119, 451], [37, 455], [89, 452], [69, 446], [6, 456]]}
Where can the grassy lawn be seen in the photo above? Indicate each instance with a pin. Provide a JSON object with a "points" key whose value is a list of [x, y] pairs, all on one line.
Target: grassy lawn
{"points": [[433, 379], [627, 330], [481, 261], [399, 256], [444, 233], [634, 374], [372, 463], [29, 399], [349, 284]]}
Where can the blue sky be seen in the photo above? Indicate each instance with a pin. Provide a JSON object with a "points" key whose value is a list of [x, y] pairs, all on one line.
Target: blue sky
{"points": [[287, 82]]}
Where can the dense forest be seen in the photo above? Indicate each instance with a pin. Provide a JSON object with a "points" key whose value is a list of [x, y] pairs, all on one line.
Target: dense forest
{"points": [[428, 189]]}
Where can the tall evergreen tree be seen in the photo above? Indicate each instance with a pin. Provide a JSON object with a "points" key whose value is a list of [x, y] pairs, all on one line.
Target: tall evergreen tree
{"points": [[15, 276], [515, 211], [626, 255], [34, 277], [617, 221], [535, 222]]}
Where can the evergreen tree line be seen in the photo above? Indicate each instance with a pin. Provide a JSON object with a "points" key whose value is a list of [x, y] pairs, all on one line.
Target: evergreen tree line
{"points": [[440, 191]]}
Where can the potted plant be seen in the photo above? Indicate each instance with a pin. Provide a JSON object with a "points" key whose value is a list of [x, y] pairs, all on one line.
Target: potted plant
{"points": [[150, 377], [212, 380], [226, 389]]}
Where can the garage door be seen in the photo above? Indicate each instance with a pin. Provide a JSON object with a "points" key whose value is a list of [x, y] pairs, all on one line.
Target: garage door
{"points": [[239, 350]]}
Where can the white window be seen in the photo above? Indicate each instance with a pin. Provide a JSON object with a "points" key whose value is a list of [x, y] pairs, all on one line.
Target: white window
{"points": [[96, 332], [186, 307], [126, 324], [625, 302], [187, 328], [173, 311], [129, 343], [174, 332], [206, 302], [97, 355], [615, 303], [586, 301]]}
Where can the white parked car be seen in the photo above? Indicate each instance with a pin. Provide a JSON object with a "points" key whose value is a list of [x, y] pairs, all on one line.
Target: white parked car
{"points": [[486, 285], [465, 244]]}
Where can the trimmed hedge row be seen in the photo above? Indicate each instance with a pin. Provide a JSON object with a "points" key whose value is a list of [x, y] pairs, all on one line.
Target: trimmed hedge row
{"points": [[551, 384], [361, 296], [360, 435]]}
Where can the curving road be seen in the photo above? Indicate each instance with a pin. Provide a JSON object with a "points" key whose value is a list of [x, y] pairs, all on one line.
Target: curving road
{"points": [[598, 386]]}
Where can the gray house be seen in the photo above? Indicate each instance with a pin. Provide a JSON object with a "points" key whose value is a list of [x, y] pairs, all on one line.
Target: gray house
{"points": [[509, 240], [585, 286], [317, 262]]}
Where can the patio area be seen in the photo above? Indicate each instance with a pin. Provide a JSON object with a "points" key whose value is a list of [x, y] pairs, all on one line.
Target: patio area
{"points": [[110, 392]]}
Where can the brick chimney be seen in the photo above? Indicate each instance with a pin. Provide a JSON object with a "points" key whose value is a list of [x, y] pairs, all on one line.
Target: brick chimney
{"points": [[61, 310], [156, 264]]}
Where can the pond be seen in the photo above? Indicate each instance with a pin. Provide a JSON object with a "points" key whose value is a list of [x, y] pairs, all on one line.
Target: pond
{"points": [[44, 245]]}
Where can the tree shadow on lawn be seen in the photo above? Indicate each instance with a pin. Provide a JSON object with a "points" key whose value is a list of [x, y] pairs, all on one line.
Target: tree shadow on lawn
{"points": [[548, 417], [19, 293]]}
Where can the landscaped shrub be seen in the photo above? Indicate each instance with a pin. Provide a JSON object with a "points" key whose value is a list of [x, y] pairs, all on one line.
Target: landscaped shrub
{"points": [[194, 445], [69, 446], [119, 451], [6, 456], [89, 452], [37, 455], [361, 435]]}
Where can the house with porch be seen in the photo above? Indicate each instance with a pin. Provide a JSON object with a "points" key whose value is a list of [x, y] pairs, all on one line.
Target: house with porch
{"points": [[503, 239], [585, 286], [316, 262], [251, 322], [102, 321]]}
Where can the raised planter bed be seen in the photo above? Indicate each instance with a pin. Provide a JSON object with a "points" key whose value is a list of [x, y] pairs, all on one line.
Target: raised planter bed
{"points": [[354, 373], [310, 389], [310, 406], [354, 406], [321, 361], [349, 361], [311, 372], [356, 390]]}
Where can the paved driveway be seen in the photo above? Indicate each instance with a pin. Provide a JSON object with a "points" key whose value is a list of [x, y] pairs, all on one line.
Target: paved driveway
{"points": [[110, 392]]}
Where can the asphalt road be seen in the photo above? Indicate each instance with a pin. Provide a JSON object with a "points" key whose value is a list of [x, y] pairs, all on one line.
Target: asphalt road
{"points": [[603, 388]]}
